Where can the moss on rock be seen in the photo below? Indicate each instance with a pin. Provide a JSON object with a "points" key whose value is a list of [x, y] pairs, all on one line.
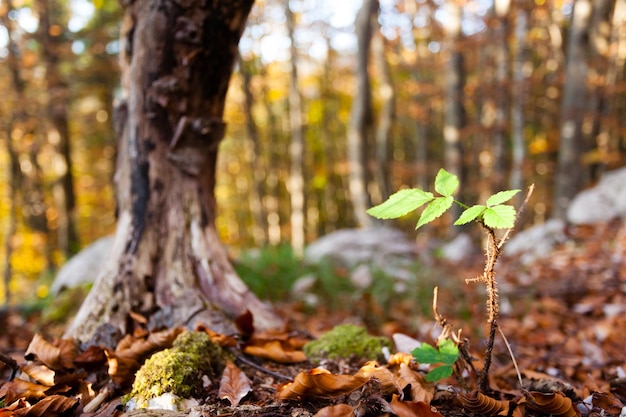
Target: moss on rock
{"points": [[347, 341], [179, 370]]}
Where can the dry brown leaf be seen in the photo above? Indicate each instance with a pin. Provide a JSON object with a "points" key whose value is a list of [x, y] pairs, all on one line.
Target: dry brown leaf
{"points": [[53, 406], [234, 385], [121, 370], [39, 373], [607, 402], [20, 389], [276, 351], [218, 338], [58, 355], [338, 410], [555, 403], [140, 349], [412, 409], [479, 403], [386, 378], [420, 389], [399, 358], [93, 356], [319, 383]]}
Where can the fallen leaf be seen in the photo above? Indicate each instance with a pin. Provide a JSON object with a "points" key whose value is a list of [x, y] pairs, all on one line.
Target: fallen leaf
{"points": [[40, 373], [412, 409], [555, 403], [386, 378], [339, 410], [234, 385], [57, 356], [21, 389], [53, 406], [479, 403], [319, 383], [421, 390], [276, 351]]}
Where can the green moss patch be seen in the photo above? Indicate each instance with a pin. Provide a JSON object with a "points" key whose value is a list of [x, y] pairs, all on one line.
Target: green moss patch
{"points": [[179, 370], [347, 341]]}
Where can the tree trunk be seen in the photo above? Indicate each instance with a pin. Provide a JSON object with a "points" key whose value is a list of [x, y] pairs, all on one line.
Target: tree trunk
{"points": [[52, 43], [569, 175], [296, 147], [518, 143], [259, 168], [360, 127], [454, 114], [167, 261], [387, 93]]}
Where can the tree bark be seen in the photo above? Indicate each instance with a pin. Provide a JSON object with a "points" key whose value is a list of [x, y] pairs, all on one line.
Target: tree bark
{"points": [[167, 262]]}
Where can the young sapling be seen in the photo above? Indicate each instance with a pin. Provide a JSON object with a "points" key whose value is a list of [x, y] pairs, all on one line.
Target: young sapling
{"points": [[492, 215]]}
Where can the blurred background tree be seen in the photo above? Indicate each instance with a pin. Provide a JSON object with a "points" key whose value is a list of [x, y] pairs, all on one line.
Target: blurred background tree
{"points": [[504, 93]]}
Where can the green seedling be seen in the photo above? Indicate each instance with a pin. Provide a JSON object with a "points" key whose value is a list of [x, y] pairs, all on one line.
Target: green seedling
{"points": [[446, 353]]}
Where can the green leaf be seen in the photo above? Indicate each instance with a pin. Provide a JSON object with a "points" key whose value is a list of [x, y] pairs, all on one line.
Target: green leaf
{"points": [[434, 210], [448, 351], [438, 373], [401, 203], [500, 217], [501, 197], [470, 214], [426, 354], [446, 183]]}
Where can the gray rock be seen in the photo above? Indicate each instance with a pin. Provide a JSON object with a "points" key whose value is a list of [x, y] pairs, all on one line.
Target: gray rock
{"points": [[602, 203], [536, 242], [459, 249], [83, 268], [353, 247]]}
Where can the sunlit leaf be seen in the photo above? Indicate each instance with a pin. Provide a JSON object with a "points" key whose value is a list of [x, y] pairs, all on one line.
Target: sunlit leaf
{"points": [[470, 214], [501, 197], [434, 210], [446, 183], [401, 203], [448, 351], [500, 217], [319, 383], [411, 408]]}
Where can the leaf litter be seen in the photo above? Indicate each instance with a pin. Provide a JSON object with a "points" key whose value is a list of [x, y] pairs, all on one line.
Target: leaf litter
{"points": [[564, 318]]}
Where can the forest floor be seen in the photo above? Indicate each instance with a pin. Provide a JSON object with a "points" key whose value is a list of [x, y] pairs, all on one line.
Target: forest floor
{"points": [[564, 316]]}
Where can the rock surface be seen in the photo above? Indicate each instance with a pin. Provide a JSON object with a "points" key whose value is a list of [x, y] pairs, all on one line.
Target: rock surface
{"points": [[83, 268], [602, 203]]}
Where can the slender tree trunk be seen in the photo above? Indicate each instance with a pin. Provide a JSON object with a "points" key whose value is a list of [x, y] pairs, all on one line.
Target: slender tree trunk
{"points": [[296, 147], [167, 261], [570, 173], [360, 127], [257, 191], [385, 122], [599, 68], [518, 142], [58, 97], [454, 113]]}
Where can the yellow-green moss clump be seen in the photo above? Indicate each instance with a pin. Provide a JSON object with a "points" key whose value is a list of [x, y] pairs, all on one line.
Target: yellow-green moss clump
{"points": [[179, 370], [347, 341]]}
